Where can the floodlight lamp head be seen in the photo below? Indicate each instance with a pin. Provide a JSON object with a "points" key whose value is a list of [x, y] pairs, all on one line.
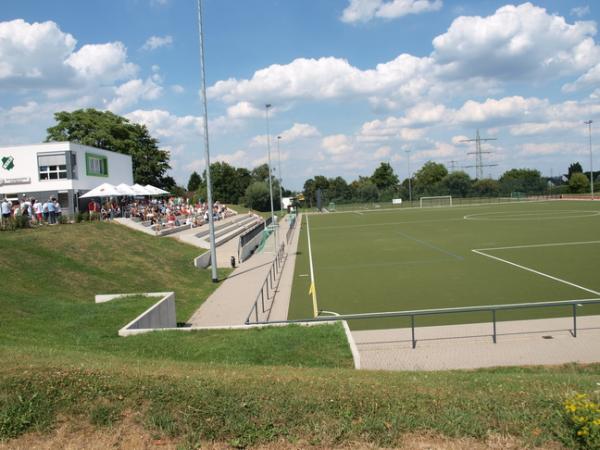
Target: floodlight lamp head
{"points": [[268, 105], [588, 122]]}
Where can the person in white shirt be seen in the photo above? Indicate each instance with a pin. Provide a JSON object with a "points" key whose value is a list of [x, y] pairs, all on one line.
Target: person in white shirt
{"points": [[37, 208], [45, 211], [6, 209], [26, 208]]}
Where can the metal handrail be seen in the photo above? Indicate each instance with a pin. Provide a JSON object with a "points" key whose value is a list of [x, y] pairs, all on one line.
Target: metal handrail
{"points": [[267, 286], [466, 309]]}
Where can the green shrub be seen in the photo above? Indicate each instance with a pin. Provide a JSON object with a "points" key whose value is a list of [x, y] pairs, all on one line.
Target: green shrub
{"points": [[15, 223], [82, 217]]}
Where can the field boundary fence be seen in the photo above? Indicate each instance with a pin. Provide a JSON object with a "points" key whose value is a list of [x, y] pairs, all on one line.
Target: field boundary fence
{"points": [[493, 309], [263, 304]]}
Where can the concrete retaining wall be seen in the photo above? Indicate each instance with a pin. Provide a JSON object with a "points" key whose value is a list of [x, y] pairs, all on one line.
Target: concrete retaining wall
{"points": [[161, 315], [247, 250], [202, 261]]}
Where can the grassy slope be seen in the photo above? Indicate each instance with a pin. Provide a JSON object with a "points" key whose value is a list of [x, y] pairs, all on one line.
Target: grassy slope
{"points": [[418, 259], [185, 386], [55, 272], [248, 405]]}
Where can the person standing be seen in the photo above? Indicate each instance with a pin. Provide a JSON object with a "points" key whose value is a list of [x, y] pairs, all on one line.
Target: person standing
{"points": [[6, 209], [37, 208], [51, 211], [45, 211], [26, 208], [57, 210]]}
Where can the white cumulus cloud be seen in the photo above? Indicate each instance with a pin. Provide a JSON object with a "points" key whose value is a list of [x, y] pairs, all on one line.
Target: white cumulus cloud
{"points": [[132, 91], [103, 63], [365, 10], [516, 42], [154, 42]]}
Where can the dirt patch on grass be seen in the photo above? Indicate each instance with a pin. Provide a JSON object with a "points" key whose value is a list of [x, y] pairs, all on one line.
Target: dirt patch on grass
{"points": [[69, 435], [129, 434]]}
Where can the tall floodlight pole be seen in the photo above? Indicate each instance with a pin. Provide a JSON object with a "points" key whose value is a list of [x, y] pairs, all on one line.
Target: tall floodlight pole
{"points": [[211, 224], [267, 106], [409, 181], [589, 124], [280, 176]]}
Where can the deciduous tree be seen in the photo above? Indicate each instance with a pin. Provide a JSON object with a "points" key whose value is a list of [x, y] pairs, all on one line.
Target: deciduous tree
{"points": [[103, 129]]}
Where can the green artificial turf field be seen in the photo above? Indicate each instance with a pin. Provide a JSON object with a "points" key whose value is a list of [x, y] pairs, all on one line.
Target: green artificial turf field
{"points": [[421, 258]]}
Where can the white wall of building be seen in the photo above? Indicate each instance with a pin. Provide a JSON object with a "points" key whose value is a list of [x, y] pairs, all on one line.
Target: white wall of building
{"points": [[120, 168], [24, 176]]}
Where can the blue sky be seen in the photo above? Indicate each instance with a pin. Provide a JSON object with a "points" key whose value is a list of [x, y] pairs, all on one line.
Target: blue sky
{"points": [[352, 82]]}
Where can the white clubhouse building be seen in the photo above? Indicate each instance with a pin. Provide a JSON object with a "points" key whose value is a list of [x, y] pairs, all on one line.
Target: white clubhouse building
{"points": [[60, 169]]}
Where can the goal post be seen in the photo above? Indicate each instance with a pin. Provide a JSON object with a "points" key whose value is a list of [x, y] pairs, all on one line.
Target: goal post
{"points": [[438, 200]]}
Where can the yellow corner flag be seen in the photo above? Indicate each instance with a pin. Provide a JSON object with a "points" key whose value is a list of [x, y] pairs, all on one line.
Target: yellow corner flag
{"points": [[313, 292]]}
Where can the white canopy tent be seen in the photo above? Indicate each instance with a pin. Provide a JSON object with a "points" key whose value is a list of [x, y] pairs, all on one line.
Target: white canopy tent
{"points": [[104, 190], [156, 191], [140, 190], [126, 190]]}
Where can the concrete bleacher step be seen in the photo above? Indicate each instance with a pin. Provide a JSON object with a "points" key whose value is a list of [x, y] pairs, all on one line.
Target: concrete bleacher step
{"points": [[218, 227], [233, 226], [236, 232]]}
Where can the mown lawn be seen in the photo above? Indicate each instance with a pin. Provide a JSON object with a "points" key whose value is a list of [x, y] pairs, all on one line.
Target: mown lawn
{"points": [[62, 362], [54, 273]]}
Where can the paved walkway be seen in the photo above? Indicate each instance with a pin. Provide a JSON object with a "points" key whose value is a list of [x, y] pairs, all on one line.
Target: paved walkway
{"points": [[523, 342], [230, 304]]}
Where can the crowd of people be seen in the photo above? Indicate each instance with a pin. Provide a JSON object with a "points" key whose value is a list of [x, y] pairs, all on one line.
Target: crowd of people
{"points": [[155, 213], [32, 210], [159, 213]]}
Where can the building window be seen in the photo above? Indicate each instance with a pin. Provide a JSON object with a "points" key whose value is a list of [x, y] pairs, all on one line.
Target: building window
{"points": [[96, 165], [53, 172], [52, 166]]}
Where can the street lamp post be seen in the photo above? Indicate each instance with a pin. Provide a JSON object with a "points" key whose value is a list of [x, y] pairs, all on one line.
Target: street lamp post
{"points": [[589, 124], [280, 176], [211, 224], [409, 180], [267, 106]]}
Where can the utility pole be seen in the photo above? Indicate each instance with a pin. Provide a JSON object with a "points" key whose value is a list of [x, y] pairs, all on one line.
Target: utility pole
{"points": [[280, 176], [267, 106], [211, 222], [409, 177], [479, 155], [589, 124]]}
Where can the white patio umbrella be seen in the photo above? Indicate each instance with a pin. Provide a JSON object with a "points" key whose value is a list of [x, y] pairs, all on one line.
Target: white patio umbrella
{"points": [[140, 190], [126, 190], [156, 191], [104, 190]]}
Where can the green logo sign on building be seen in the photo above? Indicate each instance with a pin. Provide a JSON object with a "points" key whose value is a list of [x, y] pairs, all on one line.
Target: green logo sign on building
{"points": [[8, 162]]}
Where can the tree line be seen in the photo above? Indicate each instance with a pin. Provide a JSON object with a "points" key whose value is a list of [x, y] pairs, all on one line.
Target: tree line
{"points": [[434, 179], [238, 185]]}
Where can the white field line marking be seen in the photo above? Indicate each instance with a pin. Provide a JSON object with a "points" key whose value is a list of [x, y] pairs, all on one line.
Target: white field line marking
{"points": [[479, 252], [547, 215], [374, 225], [430, 245], [554, 244], [358, 212], [454, 208], [313, 289]]}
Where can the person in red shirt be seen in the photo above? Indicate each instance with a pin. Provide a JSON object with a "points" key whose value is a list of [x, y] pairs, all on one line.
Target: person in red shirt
{"points": [[92, 209]]}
